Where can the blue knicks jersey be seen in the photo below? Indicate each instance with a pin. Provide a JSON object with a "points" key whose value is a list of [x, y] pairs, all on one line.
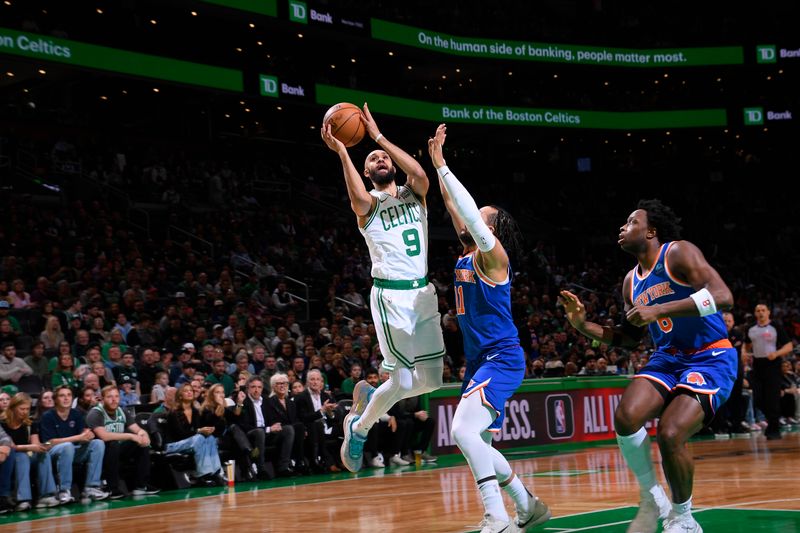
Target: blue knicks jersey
{"points": [[483, 308], [686, 334]]}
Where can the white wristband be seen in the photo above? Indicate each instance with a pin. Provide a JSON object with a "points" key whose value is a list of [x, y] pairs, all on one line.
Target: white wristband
{"points": [[379, 137], [705, 302]]}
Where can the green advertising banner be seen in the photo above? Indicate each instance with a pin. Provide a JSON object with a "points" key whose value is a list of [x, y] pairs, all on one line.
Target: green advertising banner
{"points": [[554, 53], [518, 116], [48, 48], [262, 7]]}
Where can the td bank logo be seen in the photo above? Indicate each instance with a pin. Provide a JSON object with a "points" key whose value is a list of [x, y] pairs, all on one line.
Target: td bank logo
{"points": [[298, 11], [753, 116], [765, 53], [268, 85]]}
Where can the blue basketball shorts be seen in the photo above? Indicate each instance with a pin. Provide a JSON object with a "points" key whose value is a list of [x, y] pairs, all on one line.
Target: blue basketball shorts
{"points": [[711, 371], [496, 377]]}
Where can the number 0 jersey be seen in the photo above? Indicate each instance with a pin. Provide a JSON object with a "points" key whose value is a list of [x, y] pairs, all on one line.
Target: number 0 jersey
{"points": [[483, 308], [397, 236], [686, 334]]}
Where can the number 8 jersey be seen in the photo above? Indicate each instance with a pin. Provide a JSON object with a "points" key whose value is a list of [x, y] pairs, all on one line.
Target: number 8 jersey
{"points": [[397, 236], [659, 285]]}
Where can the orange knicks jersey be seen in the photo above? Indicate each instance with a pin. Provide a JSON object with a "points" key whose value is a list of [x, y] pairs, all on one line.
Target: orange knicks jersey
{"points": [[658, 285]]}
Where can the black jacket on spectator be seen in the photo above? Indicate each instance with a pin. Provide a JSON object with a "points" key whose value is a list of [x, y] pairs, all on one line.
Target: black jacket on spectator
{"points": [[305, 407], [247, 420], [220, 423], [178, 428], [275, 411]]}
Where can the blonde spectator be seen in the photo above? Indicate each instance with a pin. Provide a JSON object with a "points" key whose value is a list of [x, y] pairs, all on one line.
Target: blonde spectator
{"points": [[52, 335], [19, 298], [28, 451]]}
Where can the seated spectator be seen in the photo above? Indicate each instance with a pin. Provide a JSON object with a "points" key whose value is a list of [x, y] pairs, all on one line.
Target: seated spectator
{"points": [[124, 440], [5, 398], [186, 434], [116, 338], [602, 367], [38, 362], [355, 376], [7, 333], [51, 336], [789, 394], [28, 450], [315, 408], [72, 444], [98, 332], [127, 371], [589, 368], [63, 373], [220, 376], [127, 392], [169, 401], [252, 421], [20, 299], [297, 388], [12, 369], [103, 373], [88, 398], [229, 435], [447, 374], [44, 404], [420, 431], [536, 369], [282, 412], [159, 388], [147, 368], [5, 315], [6, 469]]}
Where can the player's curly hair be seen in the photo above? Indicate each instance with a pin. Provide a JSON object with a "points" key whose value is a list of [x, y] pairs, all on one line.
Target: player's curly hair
{"points": [[507, 231], [662, 218]]}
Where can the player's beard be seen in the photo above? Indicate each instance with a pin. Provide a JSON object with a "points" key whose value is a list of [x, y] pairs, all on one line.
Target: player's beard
{"points": [[385, 179]]}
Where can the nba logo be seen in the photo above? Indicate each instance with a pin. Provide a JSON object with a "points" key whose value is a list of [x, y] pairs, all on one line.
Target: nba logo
{"points": [[560, 423], [561, 418]]}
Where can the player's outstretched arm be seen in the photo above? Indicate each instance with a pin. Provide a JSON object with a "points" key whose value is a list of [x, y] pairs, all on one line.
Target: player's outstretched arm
{"points": [[687, 263], [624, 334], [492, 256], [361, 202], [417, 179]]}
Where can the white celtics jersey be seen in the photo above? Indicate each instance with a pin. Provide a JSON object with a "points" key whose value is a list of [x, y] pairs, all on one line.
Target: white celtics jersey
{"points": [[397, 236]]}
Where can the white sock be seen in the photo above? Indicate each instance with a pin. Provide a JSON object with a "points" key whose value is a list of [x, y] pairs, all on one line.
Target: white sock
{"points": [[493, 499], [635, 449], [683, 508], [470, 420], [510, 483]]}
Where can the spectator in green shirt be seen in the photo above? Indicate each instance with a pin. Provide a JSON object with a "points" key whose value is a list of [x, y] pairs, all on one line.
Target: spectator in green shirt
{"points": [[219, 376], [355, 376]]}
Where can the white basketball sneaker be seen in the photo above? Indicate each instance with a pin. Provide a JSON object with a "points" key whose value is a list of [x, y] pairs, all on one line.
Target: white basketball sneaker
{"points": [[684, 523], [491, 524], [653, 506], [538, 514]]}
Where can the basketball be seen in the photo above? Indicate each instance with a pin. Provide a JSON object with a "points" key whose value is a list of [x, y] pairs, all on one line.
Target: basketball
{"points": [[345, 121]]}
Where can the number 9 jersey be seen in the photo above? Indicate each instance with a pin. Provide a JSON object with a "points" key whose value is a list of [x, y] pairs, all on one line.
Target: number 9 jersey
{"points": [[397, 236]]}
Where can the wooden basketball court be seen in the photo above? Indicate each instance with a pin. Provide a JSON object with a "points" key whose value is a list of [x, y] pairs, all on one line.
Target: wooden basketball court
{"points": [[741, 485]]}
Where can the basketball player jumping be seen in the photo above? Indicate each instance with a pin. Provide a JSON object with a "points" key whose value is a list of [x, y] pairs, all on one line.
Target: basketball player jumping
{"points": [[393, 220], [679, 296], [495, 360]]}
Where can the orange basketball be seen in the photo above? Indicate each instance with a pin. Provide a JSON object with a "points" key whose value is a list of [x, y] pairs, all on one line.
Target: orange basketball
{"points": [[345, 121]]}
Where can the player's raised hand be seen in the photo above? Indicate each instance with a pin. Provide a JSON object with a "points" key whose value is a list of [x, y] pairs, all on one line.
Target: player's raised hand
{"points": [[369, 123], [333, 143], [576, 311], [435, 145]]}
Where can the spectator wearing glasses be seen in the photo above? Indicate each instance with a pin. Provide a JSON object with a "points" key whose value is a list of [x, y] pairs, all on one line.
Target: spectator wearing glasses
{"points": [[282, 410]]}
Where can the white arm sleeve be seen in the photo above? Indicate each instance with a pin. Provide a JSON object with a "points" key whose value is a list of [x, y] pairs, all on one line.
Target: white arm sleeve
{"points": [[467, 210]]}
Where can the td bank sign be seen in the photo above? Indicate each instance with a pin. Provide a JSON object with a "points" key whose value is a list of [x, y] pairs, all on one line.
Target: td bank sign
{"points": [[755, 116], [270, 86]]}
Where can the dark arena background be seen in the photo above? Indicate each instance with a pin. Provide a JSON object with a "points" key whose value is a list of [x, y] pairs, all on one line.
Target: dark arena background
{"points": [[167, 205]]}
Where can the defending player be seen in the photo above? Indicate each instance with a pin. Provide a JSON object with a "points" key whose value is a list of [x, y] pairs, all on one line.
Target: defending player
{"points": [[675, 292], [495, 360], [393, 220]]}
